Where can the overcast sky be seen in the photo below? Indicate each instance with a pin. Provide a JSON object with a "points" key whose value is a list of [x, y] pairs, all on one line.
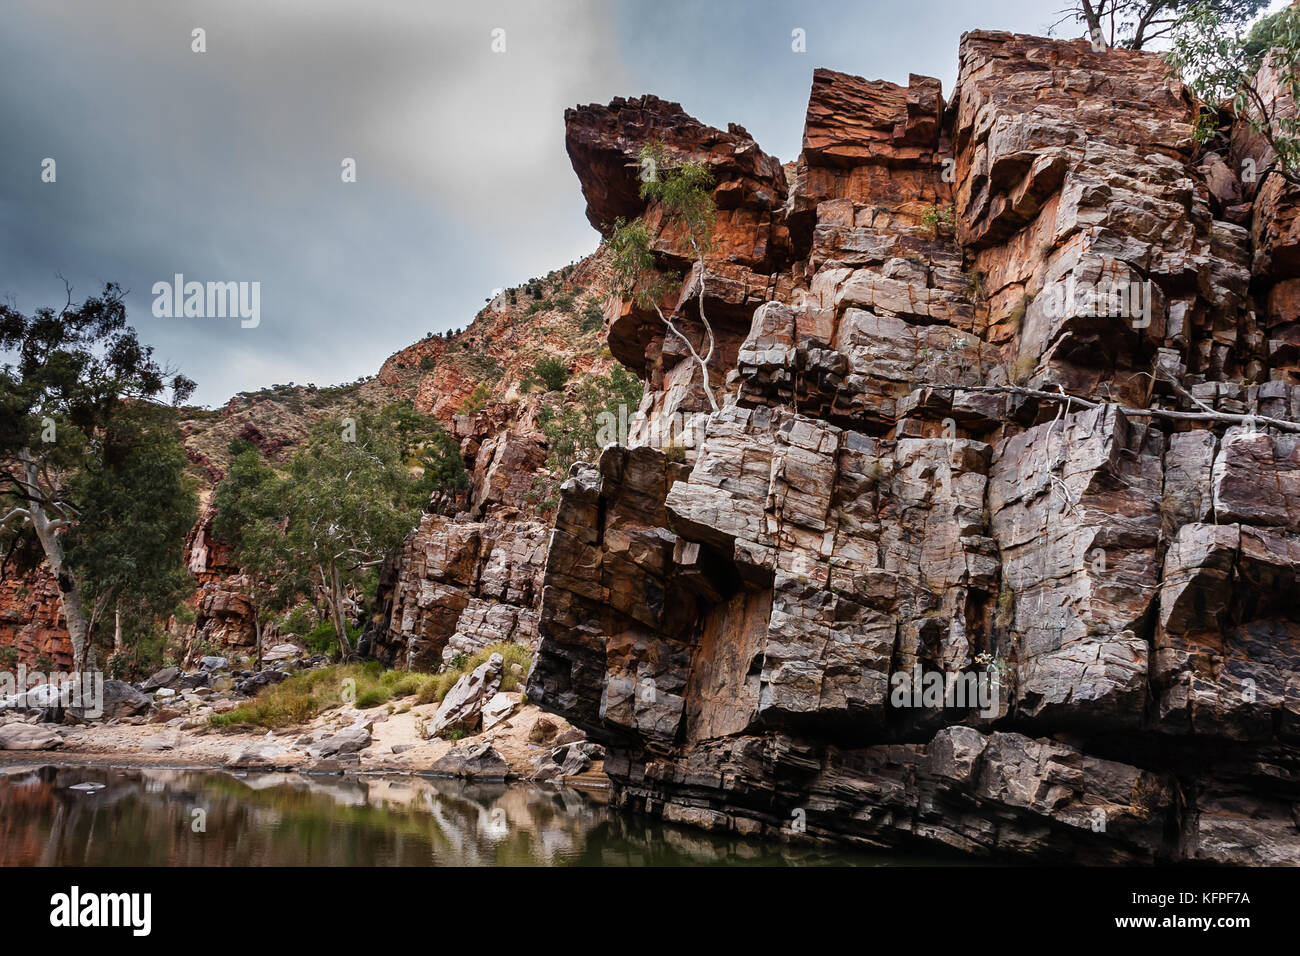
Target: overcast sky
{"points": [[226, 165]]}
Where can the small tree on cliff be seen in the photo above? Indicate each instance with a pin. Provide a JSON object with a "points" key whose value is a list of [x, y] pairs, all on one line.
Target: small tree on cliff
{"points": [[68, 445], [426, 445], [1134, 23], [1220, 61], [685, 194]]}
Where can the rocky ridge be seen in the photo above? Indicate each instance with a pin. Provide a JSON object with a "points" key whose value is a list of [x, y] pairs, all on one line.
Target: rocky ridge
{"points": [[555, 316]]}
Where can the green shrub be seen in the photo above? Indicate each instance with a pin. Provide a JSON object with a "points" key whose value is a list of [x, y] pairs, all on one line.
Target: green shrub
{"points": [[477, 399], [298, 699], [552, 372], [371, 698], [303, 696], [593, 317], [323, 639], [298, 622]]}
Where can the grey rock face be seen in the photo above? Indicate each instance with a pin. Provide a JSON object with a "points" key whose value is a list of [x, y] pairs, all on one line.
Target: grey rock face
{"points": [[479, 761], [123, 700], [462, 708]]}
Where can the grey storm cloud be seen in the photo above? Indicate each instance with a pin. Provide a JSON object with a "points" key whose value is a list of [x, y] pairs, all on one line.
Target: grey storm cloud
{"points": [[225, 165]]}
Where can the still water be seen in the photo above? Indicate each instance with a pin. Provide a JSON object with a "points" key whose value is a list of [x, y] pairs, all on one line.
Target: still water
{"points": [[94, 816]]}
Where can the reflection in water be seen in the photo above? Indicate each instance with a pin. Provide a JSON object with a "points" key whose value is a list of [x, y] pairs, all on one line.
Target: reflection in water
{"points": [[148, 818]]}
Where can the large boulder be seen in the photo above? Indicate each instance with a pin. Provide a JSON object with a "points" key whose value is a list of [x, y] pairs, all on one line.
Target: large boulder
{"points": [[498, 709], [347, 741], [162, 678], [18, 736], [123, 700], [462, 708], [249, 686], [479, 761]]}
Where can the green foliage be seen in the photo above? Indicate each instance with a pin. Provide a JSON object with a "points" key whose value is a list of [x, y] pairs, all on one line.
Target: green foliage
{"points": [[304, 696], [80, 366], [1220, 61], [517, 660], [593, 317], [144, 653], [1134, 23], [443, 464], [297, 622], [371, 698], [428, 446], [579, 428], [552, 372], [481, 365], [137, 503], [633, 264], [685, 192], [250, 516], [322, 638], [345, 504], [91, 477], [350, 503], [477, 399], [938, 220]]}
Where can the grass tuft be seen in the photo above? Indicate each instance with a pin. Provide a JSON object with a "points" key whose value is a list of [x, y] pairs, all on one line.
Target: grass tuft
{"points": [[303, 696]]}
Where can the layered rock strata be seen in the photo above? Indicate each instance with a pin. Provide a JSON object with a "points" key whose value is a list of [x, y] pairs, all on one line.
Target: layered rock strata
{"points": [[890, 488]]}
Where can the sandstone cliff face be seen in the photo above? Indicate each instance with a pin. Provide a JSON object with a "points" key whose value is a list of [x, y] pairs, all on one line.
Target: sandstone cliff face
{"points": [[31, 623], [888, 488], [458, 587]]}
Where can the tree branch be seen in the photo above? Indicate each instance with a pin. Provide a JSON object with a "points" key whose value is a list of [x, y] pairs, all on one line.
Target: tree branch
{"points": [[1281, 424]]}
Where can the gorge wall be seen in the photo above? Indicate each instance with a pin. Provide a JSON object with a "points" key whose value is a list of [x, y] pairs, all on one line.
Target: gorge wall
{"points": [[922, 463], [891, 484]]}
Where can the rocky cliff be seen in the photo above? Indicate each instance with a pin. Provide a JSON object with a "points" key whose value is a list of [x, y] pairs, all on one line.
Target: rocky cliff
{"points": [[1010, 396], [937, 455]]}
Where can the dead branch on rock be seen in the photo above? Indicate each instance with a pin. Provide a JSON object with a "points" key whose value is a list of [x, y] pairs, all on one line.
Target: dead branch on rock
{"points": [[1208, 415]]}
